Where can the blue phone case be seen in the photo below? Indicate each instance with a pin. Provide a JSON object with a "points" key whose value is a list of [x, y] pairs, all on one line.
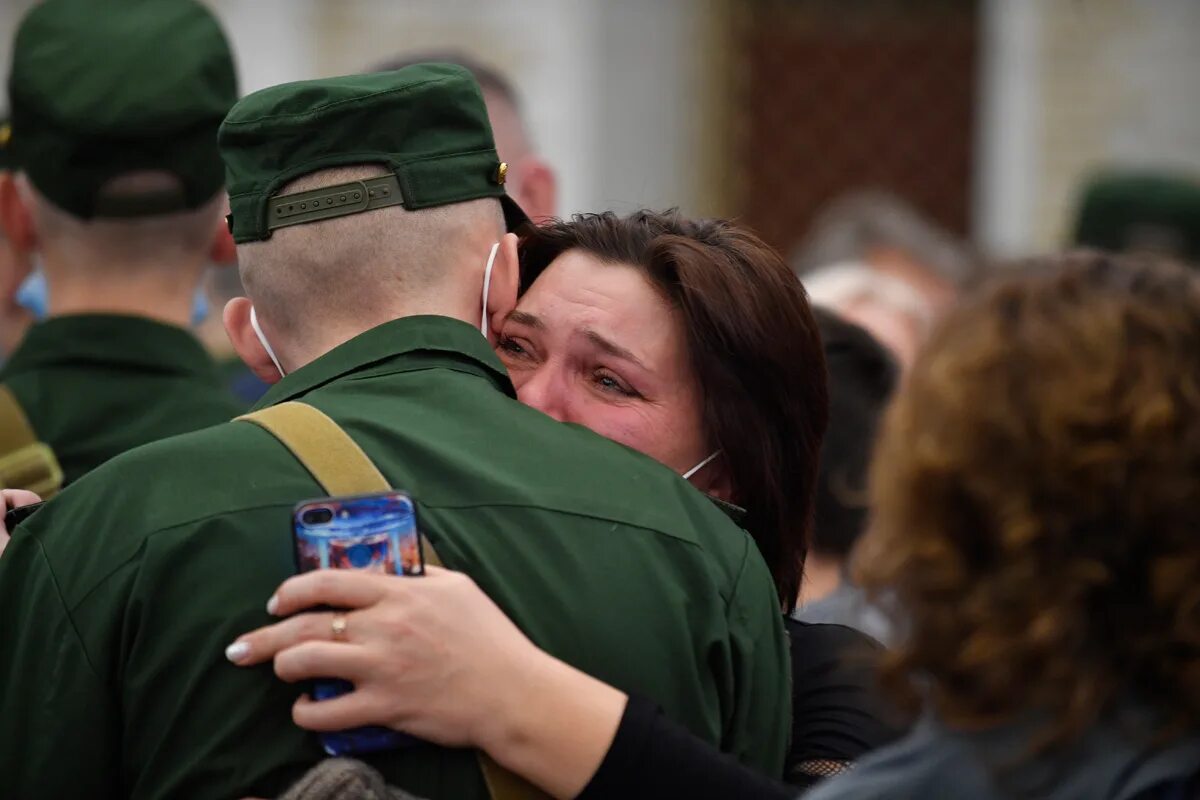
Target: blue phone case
{"points": [[376, 532]]}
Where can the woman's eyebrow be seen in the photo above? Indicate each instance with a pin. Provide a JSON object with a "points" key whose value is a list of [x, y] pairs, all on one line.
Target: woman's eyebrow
{"points": [[525, 318], [612, 348]]}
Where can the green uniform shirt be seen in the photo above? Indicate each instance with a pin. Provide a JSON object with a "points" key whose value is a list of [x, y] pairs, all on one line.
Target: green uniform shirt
{"points": [[118, 599], [96, 385]]}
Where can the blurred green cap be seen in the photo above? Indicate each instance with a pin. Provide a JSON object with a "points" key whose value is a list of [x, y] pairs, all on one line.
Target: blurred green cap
{"points": [[102, 89], [1124, 211], [426, 124]]}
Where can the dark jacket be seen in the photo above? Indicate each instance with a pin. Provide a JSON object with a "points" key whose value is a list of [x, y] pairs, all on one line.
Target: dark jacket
{"points": [[1116, 760]]}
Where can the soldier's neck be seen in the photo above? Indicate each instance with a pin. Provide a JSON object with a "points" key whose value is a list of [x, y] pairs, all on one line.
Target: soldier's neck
{"points": [[159, 293]]}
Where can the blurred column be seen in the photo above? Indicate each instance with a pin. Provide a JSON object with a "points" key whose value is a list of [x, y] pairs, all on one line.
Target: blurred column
{"points": [[1006, 155]]}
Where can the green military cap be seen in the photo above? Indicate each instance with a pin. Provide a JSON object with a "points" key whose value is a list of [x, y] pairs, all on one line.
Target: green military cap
{"points": [[426, 124], [1146, 211], [98, 90]]}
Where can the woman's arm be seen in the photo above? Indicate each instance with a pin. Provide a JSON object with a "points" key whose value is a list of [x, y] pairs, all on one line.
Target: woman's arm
{"points": [[436, 658]]}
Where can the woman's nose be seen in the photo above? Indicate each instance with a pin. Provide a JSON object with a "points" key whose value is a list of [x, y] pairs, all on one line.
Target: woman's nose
{"points": [[540, 389]]}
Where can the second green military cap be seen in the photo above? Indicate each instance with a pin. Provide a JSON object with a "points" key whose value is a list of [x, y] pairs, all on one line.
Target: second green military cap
{"points": [[102, 89], [427, 124], [1124, 210]]}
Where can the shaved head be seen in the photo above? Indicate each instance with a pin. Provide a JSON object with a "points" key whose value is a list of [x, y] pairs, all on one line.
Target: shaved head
{"points": [[362, 268], [159, 241]]}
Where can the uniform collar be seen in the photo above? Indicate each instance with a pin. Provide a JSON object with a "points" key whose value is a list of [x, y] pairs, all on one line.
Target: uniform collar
{"points": [[110, 340], [398, 346]]}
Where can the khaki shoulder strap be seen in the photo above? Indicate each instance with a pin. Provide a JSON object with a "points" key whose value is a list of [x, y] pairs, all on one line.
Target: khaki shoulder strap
{"points": [[25, 463], [342, 468]]}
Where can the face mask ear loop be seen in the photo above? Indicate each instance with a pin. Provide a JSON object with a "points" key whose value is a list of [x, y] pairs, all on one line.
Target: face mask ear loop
{"points": [[701, 465], [487, 285], [262, 338]]}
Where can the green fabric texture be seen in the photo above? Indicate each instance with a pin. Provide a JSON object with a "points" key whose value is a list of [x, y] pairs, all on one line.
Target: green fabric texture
{"points": [[96, 385], [426, 123], [1141, 211], [98, 89], [118, 599]]}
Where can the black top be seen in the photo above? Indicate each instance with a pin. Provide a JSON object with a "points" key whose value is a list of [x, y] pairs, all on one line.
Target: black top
{"points": [[837, 713], [837, 718]]}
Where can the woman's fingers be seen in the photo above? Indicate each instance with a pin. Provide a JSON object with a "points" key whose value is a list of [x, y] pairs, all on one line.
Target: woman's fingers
{"points": [[263, 644], [15, 498], [351, 710], [349, 662], [329, 587]]}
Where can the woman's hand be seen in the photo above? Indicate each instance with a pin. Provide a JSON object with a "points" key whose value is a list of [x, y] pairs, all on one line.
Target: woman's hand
{"points": [[432, 656], [436, 658], [14, 498]]}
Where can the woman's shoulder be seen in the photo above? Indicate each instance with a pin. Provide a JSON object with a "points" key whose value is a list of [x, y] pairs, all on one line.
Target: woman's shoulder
{"points": [[838, 712]]}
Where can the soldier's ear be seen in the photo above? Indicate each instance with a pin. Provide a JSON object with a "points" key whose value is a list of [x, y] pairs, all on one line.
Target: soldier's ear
{"points": [[15, 218], [506, 278], [246, 343], [222, 251], [537, 192]]}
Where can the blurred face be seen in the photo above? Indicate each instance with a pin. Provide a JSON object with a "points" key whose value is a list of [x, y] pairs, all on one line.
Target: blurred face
{"points": [[595, 344]]}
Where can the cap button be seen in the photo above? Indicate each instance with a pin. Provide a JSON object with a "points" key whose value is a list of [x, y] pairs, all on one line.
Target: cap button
{"points": [[501, 173]]}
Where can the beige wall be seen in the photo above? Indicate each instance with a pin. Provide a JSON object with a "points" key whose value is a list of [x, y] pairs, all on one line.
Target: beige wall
{"points": [[610, 87], [1072, 85], [624, 96]]}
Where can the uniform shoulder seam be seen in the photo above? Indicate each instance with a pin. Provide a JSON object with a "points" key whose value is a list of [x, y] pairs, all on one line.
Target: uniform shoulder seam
{"points": [[67, 612]]}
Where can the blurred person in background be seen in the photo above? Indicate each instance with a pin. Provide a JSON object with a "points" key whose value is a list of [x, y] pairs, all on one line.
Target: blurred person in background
{"points": [[883, 232], [1035, 519], [1140, 211], [531, 181], [119, 196], [862, 378], [221, 284], [891, 310], [1034, 493], [683, 338], [15, 319]]}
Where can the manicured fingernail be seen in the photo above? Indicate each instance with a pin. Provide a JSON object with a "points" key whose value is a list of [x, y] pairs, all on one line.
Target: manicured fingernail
{"points": [[273, 604], [237, 651]]}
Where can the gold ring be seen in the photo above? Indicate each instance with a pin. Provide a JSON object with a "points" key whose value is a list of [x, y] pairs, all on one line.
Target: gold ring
{"points": [[338, 626]]}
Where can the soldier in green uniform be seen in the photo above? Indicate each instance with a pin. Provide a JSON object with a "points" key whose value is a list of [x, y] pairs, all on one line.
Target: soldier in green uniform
{"points": [[370, 213], [115, 110]]}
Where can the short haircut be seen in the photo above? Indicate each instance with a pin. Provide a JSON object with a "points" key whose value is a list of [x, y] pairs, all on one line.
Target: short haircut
{"points": [[849, 227], [755, 351], [862, 378], [1035, 505], [361, 266], [842, 284], [132, 241]]}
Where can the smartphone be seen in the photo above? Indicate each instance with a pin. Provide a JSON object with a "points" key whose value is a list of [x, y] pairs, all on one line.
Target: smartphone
{"points": [[374, 532], [15, 516]]}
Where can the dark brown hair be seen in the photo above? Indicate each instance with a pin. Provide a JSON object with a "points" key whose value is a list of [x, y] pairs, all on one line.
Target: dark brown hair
{"points": [[1036, 496], [755, 350]]}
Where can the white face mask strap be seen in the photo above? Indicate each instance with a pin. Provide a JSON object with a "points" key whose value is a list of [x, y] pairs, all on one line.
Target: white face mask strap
{"points": [[487, 285], [262, 338], [701, 465]]}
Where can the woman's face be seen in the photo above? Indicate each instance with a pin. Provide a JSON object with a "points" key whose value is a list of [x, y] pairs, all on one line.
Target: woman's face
{"points": [[595, 344]]}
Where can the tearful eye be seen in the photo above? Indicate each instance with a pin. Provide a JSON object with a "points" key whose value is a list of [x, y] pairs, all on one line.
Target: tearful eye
{"points": [[512, 346], [612, 384]]}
